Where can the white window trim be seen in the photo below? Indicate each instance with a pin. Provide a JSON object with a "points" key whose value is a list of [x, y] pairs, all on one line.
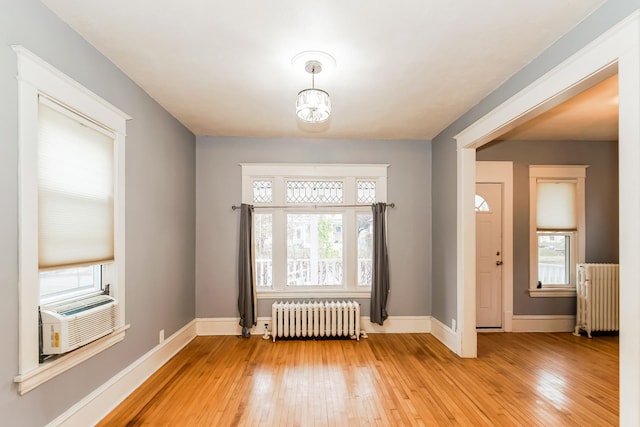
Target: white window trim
{"points": [[279, 173], [577, 174], [36, 77]]}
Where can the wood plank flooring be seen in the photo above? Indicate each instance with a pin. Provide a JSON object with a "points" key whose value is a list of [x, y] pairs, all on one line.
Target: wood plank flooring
{"points": [[385, 380]]}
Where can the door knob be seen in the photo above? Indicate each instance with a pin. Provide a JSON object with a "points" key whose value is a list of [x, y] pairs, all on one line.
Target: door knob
{"points": [[498, 262]]}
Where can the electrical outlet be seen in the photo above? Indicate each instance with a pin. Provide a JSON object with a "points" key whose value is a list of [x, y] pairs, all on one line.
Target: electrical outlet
{"points": [[161, 336]]}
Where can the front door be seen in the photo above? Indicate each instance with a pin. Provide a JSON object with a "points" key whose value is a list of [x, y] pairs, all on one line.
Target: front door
{"points": [[489, 255]]}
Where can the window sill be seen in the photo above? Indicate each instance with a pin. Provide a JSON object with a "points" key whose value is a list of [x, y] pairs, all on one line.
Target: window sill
{"points": [[49, 369], [313, 294], [558, 292]]}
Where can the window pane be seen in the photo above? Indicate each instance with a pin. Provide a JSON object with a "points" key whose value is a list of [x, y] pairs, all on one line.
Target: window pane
{"points": [[365, 249], [262, 191], [314, 192], [70, 280], [481, 204], [314, 249], [366, 191], [554, 259], [263, 235], [556, 206]]}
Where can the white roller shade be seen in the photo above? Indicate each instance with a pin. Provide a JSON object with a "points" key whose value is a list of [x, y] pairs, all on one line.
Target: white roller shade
{"points": [[556, 208], [75, 189]]}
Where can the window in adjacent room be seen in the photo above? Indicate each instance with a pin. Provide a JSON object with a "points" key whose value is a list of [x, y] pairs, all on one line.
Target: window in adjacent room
{"points": [[557, 217], [313, 226]]}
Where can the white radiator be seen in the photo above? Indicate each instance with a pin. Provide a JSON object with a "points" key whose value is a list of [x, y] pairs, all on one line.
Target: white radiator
{"points": [[598, 298], [315, 319]]}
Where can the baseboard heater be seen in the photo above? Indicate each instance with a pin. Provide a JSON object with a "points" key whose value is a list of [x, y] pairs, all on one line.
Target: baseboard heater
{"points": [[315, 319]]}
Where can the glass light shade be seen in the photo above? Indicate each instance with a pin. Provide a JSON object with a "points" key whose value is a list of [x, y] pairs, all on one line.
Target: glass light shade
{"points": [[313, 105]]}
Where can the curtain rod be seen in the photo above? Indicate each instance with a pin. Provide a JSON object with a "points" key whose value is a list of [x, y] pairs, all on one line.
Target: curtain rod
{"points": [[234, 207]]}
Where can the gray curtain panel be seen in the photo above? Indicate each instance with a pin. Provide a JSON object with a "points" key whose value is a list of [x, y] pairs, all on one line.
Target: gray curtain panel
{"points": [[380, 279], [247, 292]]}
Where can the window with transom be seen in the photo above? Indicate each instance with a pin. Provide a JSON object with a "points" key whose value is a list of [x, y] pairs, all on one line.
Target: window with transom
{"points": [[313, 226]]}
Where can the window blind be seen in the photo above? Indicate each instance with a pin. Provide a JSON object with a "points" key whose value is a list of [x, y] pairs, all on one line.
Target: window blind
{"points": [[556, 208], [75, 189]]}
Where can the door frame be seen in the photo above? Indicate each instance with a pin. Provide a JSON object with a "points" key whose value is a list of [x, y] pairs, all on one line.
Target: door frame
{"points": [[501, 172], [616, 49]]}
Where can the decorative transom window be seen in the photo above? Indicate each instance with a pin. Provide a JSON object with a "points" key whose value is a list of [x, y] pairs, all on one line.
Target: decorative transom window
{"points": [[557, 228], [366, 191], [313, 227], [262, 191], [314, 191]]}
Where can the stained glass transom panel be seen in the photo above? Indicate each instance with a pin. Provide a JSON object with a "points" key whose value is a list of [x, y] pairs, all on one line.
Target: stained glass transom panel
{"points": [[326, 192], [262, 191], [366, 191]]}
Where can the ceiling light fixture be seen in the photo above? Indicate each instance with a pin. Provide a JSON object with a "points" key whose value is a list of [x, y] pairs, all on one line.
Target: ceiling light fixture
{"points": [[313, 105]]}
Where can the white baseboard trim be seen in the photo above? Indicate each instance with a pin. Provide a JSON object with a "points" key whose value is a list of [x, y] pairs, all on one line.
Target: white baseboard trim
{"points": [[228, 326], [393, 325], [507, 322], [95, 406], [398, 325], [446, 335], [543, 323], [104, 399]]}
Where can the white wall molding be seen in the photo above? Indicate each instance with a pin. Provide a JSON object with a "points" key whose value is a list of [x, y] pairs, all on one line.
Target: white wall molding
{"points": [[228, 326], [393, 325], [544, 323], [507, 320], [95, 406], [104, 399], [446, 335], [50, 369], [398, 325], [619, 46]]}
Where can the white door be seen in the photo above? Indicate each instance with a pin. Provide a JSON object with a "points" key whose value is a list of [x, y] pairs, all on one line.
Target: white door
{"points": [[489, 255]]}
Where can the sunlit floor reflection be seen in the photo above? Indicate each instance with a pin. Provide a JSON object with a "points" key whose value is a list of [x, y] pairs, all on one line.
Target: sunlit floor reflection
{"points": [[552, 388]]}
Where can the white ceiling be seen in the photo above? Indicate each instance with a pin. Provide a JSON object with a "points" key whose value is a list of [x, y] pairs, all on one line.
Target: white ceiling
{"points": [[405, 69]]}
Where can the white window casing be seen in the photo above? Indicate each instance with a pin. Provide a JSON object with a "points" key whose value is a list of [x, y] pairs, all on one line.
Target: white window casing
{"points": [[36, 80], [281, 190], [561, 211]]}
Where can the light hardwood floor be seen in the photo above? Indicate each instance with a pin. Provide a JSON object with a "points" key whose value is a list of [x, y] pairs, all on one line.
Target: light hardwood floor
{"points": [[386, 380]]}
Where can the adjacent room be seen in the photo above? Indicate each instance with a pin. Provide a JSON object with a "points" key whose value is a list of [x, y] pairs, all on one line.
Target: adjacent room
{"points": [[344, 213]]}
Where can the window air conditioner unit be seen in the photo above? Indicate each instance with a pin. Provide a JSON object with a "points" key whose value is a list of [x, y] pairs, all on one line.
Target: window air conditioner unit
{"points": [[69, 325]]}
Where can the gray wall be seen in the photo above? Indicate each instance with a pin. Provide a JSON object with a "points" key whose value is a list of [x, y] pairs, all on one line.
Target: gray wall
{"points": [[218, 182], [444, 147], [601, 207], [160, 213]]}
